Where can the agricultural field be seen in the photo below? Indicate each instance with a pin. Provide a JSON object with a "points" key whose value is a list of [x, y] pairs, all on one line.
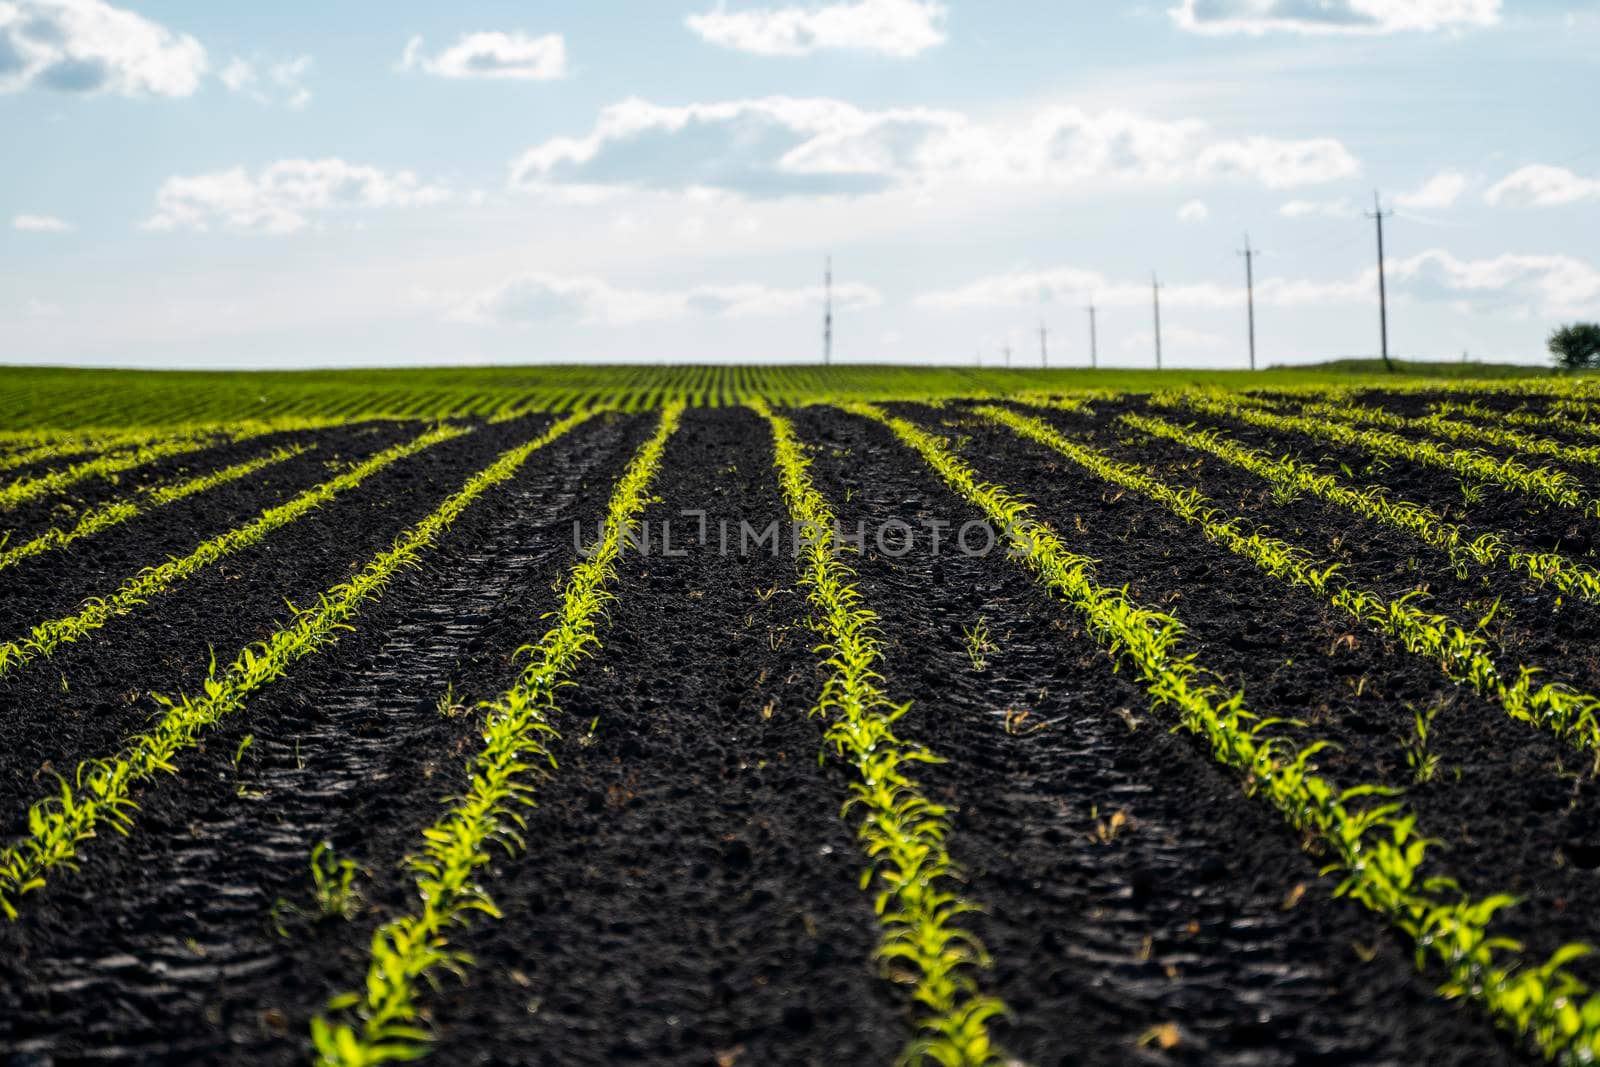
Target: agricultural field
{"points": [[744, 716]]}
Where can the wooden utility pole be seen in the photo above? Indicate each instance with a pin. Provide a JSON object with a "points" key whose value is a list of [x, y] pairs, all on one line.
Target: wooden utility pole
{"points": [[1155, 289], [1094, 339], [1250, 255], [1378, 215], [827, 314]]}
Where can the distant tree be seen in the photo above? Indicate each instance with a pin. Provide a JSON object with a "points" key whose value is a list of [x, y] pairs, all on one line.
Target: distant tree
{"points": [[1576, 345]]}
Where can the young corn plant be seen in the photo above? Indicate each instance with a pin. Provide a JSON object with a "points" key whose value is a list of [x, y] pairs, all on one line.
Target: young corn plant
{"points": [[1424, 763], [100, 794], [333, 884], [1367, 838], [901, 830], [384, 1022], [979, 644]]}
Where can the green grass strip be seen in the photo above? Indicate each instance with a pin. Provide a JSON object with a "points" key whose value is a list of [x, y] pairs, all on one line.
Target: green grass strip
{"points": [[50, 635], [1291, 477], [117, 512], [408, 950], [1463, 657], [1361, 832], [1542, 483], [101, 790], [901, 830]]}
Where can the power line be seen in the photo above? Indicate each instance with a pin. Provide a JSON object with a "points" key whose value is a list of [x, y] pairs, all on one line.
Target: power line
{"points": [[1383, 288], [1250, 255]]}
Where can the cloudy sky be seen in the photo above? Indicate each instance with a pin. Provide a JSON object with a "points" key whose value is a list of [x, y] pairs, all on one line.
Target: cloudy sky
{"points": [[295, 184]]}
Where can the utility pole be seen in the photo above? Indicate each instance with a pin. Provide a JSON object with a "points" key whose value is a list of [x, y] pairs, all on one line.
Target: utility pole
{"points": [[1155, 289], [1094, 339], [1250, 255], [827, 315], [1007, 350], [1044, 347], [1379, 215]]}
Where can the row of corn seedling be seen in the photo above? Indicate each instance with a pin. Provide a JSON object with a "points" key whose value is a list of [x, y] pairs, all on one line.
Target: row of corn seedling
{"points": [[44, 638], [1362, 832], [517, 734], [140, 453], [101, 790], [1472, 466], [1456, 430], [1463, 656], [28, 447], [102, 518], [1290, 478], [1554, 420], [900, 828]]}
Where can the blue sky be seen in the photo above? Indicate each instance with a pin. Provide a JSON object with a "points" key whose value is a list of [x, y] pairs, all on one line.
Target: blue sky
{"points": [[200, 184]]}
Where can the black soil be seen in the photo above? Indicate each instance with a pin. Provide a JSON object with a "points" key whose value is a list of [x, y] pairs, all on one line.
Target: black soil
{"points": [[689, 894]]}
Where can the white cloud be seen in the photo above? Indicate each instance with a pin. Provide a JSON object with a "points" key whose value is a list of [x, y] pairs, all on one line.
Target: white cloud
{"points": [[1552, 284], [282, 197], [783, 146], [1436, 194], [44, 309], [285, 78], [1543, 186], [1323, 17], [898, 28], [492, 55], [533, 298], [1194, 211], [41, 224], [87, 46], [1332, 209], [238, 75]]}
